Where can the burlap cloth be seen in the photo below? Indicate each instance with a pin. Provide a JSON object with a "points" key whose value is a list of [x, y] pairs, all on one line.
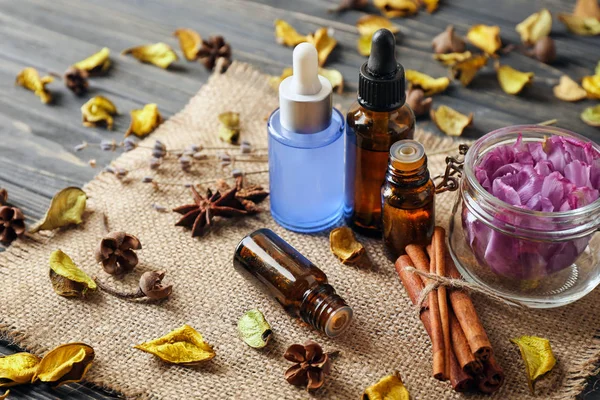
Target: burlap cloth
{"points": [[386, 334]]}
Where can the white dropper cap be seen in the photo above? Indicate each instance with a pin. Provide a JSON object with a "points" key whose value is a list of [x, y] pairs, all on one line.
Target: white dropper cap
{"points": [[305, 100]]}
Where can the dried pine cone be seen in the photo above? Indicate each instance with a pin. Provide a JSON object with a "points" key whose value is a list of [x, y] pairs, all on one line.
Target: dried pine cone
{"points": [[312, 364], [12, 224], [212, 50], [116, 253], [76, 80]]}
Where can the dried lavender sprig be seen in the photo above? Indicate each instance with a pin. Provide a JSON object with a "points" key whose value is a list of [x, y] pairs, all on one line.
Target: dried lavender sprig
{"points": [[209, 181]]}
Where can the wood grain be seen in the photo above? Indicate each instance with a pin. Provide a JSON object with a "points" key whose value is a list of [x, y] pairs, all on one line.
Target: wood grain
{"points": [[36, 141]]}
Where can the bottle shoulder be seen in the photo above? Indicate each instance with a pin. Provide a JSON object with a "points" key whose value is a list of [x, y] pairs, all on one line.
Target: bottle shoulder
{"points": [[306, 140], [399, 121]]}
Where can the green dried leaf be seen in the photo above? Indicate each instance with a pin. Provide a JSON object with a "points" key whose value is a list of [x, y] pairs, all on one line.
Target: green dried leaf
{"points": [[591, 115], [67, 279], [229, 130], [183, 346], [254, 329], [537, 355], [66, 208], [16, 369]]}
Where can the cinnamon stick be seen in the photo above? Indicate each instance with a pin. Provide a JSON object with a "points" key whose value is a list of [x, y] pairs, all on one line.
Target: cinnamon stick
{"points": [[462, 351], [418, 256], [492, 377], [459, 379], [438, 266]]}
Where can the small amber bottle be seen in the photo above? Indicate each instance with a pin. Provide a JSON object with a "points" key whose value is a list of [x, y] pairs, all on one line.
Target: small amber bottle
{"points": [[296, 283], [377, 120], [407, 198]]}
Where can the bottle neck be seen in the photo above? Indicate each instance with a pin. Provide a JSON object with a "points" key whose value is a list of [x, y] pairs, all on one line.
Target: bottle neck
{"points": [[324, 310], [417, 175]]}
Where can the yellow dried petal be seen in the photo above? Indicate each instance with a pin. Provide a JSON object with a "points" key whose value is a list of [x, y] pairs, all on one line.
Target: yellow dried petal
{"points": [[450, 121], [189, 42], [95, 64], [159, 54], [65, 364], [597, 70], [16, 369], [345, 246], [286, 35], [388, 388], [569, 90], [67, 279], [144, 121], [591, 84], [485, 37], [275, 81], [511, 80], [229, 130], [323, 43], [431, 5], [184, 346], [429, 85], [450, 59], [254, 329], [5, 395], [66, 207], [591, 115], [397, 8], [334, 77], [580, 25], [98, 111], [587, 9], [363, 45], [537, 355], [466, 70], [535, 27], [369, 24], [30, 79]]}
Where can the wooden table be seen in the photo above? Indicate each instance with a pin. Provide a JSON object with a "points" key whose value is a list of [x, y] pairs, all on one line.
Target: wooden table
{"points": [[36, 140]]}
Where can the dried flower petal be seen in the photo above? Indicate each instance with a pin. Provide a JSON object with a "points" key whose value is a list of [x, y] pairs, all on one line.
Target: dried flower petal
{"points": [[183, 346], [254, 329], [344, 245], [151, 285], [535, 27], [229, 129], [332, 75], [450, 121], [485, 37], [98, 111], [96, 64], [189, 42], [67, 279], [159, 54], [66, 207], [65, 364], [388, 388], [511, 80], [466, 70], [448, 42], [367, 26], [587, 9], [144, 121], [450, 59], [397, 8], [429, 85], [591, 84], [569, 90], [5, 395], [18, 368], [286, 35], [323, 43], [30, 79], [431, 5], [580, 25], [416, 100], [537, 355], [591, 115]]}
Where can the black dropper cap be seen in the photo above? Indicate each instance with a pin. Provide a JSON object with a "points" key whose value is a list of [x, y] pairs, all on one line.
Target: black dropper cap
{"points": [[381, 85]]}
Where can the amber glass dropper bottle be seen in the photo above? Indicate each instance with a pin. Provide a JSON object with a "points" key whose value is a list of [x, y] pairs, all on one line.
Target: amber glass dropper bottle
{"points": [[377, 120], [296, 283]]}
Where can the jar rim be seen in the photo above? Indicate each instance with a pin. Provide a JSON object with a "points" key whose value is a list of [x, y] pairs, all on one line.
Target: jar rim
{"points": [[474, 152]]}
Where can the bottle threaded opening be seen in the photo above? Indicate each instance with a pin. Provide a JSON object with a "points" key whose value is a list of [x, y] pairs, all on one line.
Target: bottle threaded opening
{"points": [[326, 311]]}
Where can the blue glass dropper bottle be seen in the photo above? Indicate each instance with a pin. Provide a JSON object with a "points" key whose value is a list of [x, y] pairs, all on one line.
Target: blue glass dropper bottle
{"points": [[306, 149]]}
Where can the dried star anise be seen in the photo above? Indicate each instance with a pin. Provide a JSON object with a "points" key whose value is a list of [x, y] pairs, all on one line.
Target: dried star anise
{"points": [[212, 50], [116, 253], [12, 224], [76, 80], [234, 202], [312, 364]]}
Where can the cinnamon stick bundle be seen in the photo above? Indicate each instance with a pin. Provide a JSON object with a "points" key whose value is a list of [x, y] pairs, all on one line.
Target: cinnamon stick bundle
{"points": [[459, 379], [438, 266]]}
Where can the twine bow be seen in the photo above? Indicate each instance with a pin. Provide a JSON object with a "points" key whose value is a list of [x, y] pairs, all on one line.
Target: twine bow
{"points": [[435, 281]]}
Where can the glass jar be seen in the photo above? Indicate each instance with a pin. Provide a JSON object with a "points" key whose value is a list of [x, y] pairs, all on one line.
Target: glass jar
{"points": [[542, 259]]}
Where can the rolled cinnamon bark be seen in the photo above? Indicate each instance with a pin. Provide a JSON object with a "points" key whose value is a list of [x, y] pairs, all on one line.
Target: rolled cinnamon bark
{"points": [[492, 377], [466, 314], [438, 266], [421, 262], [459, 379], [462, 351]]}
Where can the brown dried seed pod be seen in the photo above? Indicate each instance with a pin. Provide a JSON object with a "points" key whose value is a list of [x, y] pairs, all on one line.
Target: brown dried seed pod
{"points": [[12, 224], [448, 42], [116, 252]]}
